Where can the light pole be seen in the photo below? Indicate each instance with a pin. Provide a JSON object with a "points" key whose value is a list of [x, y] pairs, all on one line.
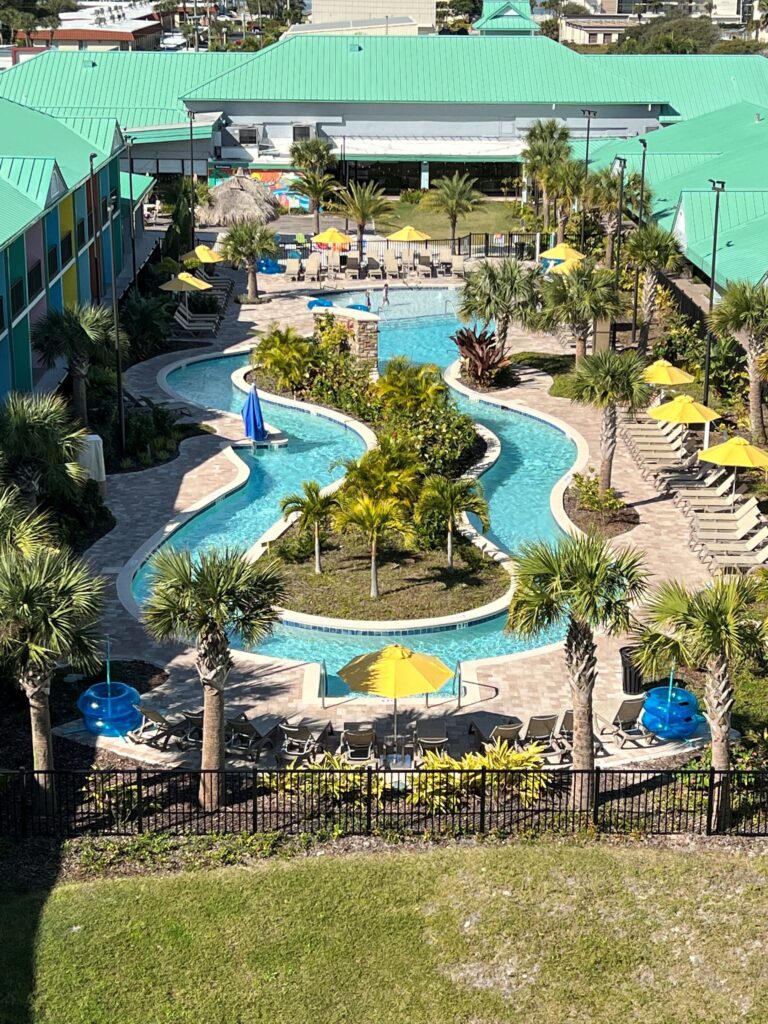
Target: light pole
{"points": [[588, 114], [191, 114], [95, 205], [116, 319], [644, 144], [621, 163], [128, 145], [717, 187]]}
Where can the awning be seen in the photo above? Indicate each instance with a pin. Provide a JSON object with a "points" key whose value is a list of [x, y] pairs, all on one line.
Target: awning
{"points": [[142, 186], [447, 148]]}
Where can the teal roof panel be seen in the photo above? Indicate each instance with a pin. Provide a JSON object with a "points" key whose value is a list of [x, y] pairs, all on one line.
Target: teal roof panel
{"points": [[506, 17], [142, 186]]}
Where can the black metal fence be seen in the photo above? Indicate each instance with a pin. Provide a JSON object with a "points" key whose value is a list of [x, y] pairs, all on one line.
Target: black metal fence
{"points": [[521, 245], [67, 803]]}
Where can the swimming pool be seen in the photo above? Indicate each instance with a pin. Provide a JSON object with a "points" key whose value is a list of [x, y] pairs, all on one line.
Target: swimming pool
{"points": [[533, 457]]}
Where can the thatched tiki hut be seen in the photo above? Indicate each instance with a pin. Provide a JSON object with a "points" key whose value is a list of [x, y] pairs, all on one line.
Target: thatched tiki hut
{"points": [[237, 199]]}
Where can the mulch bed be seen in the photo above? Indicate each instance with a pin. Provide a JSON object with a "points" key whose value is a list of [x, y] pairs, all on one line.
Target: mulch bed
{"points": [[611, 525]]}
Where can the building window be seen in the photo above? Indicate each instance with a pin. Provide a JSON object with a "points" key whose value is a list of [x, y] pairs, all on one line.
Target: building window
{"points": [[80, 234], [301, 132], [18, 301], [35, 280], [592, 39], [66, 248], [607, 37], [249, 136], [53, 261], [104, 209]]}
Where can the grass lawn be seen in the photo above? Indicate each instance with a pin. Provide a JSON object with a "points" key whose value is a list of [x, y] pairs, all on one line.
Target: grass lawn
{"points": [[543, 932], [491, 217], [558, 367]]}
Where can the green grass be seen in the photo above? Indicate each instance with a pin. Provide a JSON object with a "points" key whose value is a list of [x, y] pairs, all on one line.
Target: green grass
{"points": [[542, 932], [558, 368], [491, 217]]}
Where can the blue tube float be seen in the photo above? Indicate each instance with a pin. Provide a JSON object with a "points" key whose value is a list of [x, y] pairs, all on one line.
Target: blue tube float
{"points": [[318, 303], [108, 709], [671, 713]]}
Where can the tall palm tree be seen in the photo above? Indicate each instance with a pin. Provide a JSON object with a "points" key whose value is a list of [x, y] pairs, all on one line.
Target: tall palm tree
{"points": [[601, 193], [49, 612], [743, 312], [244, 245], [206, 601], [318, 188], [503, 293], [361, 204], [373, 518], [313, 509], [582, 583], [390, 470], [145, 320], [39, 446], [566, 180], [546, 145], [23, 530], [653, 250], [407, 386], [81, 335], [607, 380], [578, 299], [445, 501], [454, 197], [313, 155], [713, 627]]}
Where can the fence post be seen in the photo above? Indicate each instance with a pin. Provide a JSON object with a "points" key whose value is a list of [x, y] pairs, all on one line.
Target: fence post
{"points": [[710, 800], [23, 823], [254, 788], [483, 783], [486, 244], [368, 799], [139, 801], [596, 800]]}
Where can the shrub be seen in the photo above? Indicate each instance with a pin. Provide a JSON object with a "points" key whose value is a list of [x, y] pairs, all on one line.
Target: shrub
{"points": [[297, 549], [203, 302], [412, 195], [482, 354], [587, 490]]}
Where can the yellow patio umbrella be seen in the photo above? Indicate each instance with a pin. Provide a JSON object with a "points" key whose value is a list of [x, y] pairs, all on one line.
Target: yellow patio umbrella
{"points": [[685, 409], [562, 251], [395, 672], [565, 267], [409, 234], [185, 282], [663, 374], [203, 254], [736, 452], [332, 236]]}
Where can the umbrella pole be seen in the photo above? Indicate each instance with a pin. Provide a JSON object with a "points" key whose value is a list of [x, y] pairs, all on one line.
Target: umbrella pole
{"points": [[395, 726], [706, 436]]}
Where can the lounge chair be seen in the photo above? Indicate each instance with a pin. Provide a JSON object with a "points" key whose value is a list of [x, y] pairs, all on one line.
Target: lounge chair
{"points": [[392, 267], [424, 268], [626, 725], [195, 327], [541, 731], [373, 267], [352, 268], [221, 286], [733, 528], [334, 264], [737, 545], [157, 731], [458, 266], [248, 738], [564, 736], [313, 268], [293, 269], [444, 260], [743, 561], [430, 734], [304, 737], [358, 746], [508, 732]]}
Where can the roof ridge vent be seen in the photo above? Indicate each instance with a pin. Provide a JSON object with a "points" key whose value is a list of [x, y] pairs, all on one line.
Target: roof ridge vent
{"points": [[758, 117]]}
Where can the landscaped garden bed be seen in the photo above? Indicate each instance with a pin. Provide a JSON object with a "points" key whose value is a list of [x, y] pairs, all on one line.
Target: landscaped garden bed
{"points": [[611, 522]]}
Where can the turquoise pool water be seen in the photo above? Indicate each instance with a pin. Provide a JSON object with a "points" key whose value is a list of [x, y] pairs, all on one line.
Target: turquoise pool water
{"points": [[533, 457]]}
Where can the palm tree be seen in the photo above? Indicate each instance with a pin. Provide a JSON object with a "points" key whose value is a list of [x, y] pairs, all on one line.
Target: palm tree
{"points": [[363, 203], [390, 470], [22, 530], [580, 582], [578, 299], [546, 145], [653, 250], [39, 446], [454, 197], [504, 293], [607, 380], [313, 509], [49, 610], [319, 189], [761, 23], [244, 245], [601, 193], [743, 312], [206, 601], [713, 627], [82, 335], [374, 518], [312, 155], [145, 320], [566, 180], [286, 355], [445, 501], [407, 386]]}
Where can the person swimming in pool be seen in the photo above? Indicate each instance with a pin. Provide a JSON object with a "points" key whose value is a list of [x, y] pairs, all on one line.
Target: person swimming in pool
{"points": [[385, 295], [368, 298]]}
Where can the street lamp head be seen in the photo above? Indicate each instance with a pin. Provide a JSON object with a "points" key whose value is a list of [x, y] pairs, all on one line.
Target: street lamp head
{"points": [[191, 115], [643, 143], [586, 112], [717, 186]]}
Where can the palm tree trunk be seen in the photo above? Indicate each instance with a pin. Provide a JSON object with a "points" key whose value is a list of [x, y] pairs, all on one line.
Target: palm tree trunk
{"points": [[453, 235], [607, 447], [608, 247], [316, 212], [360, 234], [581, 661], [318, 566], [718, 700], [562, 222], [648, 308], [374, 572], [213, 663], [756, 421], [253, 287], [580, 335], [450, 545], [37, 688], [79, 395], [545, 204]]}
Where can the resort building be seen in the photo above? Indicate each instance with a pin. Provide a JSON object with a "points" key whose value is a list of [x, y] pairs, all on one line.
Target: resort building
{"points": [[96, 26], [593, 31], [422, 12], [386, 26], [500, 17]]}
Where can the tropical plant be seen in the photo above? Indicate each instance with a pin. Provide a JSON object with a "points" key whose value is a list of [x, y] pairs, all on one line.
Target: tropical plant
{"points": [[313, 510], [363, 203], [546, 146], [566, 180], [286, 355], [314, 155], [601, 193], [607, 381], [482, 354], [586, 487], [582, 583], [577, 299], [743, 313], [374, 518], [49, 611], [244, 245], [453, 197], [39, 446], [652, 250], [712, 627], [390, 470], [405, 386], [145, 320], [206, 601], [508, 772], [502, 292], [445, 501], [81, 335], [318, 188], [23, 530]]}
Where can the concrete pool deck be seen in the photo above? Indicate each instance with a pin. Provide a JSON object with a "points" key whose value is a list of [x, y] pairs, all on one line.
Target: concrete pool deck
{"points": [[144, 502]]}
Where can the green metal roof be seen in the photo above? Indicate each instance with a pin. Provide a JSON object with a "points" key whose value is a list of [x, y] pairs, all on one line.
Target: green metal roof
{"points": [[506, 17], [30, 175], [172, 133], [422, 69], [693, 83], [17, 211], [142, 186], [742, 253]]}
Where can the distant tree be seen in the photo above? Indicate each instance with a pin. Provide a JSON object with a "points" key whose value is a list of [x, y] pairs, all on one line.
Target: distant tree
{"points": [[244, 245], [601, 194], [318, 188], [373, 518], [546, 145], [454, 197], [313, 155], [445, 501], [653, 250], [361, 204], [669, 34], [576, 300], [313, 510], [736, 46]]}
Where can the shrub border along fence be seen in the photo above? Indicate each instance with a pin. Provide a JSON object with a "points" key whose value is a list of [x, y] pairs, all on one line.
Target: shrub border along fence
{"points": [[70, 803]]}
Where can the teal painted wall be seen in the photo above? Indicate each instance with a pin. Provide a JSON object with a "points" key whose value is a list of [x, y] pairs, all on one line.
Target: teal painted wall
{"points": [[21, 356]]}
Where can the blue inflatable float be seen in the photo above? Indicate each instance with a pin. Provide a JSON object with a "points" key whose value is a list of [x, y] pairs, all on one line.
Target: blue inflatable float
{"points": [[268, 266], [318, 303], [359, 305], [108, 709], [671, 713]]}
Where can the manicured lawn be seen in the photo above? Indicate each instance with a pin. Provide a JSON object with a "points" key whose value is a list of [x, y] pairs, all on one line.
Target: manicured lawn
{"points": [[456, 936], [492, 217]]}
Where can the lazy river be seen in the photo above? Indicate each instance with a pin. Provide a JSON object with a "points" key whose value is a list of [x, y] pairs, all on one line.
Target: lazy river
{"points": [[533, 457]]}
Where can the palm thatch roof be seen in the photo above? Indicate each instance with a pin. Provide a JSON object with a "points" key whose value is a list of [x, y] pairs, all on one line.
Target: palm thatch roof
{"points": [[238, 198]]}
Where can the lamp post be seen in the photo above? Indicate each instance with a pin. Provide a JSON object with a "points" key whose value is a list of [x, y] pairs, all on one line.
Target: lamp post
{"points": [[717, 187], [191, 114], [644, 144], [588, 114], [116, 320], [621, 163], [95, 204], [128, 145]]}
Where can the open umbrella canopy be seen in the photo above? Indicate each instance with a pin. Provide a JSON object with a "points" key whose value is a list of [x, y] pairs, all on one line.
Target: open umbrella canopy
{"points": [[683, 409], [409, 234], [663, 374], [562, 251], [253, 418], [565, 267], [203, 254], [185, 282], [737, 452], [332, 236]]}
